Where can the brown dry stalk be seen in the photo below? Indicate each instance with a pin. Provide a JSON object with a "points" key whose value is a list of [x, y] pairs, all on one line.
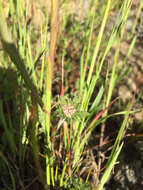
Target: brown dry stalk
{"points": [[55, 25]]}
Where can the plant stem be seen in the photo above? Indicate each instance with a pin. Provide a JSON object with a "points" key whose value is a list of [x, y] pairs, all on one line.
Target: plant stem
{"points": [[50, 63]]}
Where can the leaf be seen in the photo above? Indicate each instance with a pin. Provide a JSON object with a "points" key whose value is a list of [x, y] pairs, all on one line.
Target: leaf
{"points": [[36, 62], [63, 101], [82, 114], [97, 99], [41, 117]]}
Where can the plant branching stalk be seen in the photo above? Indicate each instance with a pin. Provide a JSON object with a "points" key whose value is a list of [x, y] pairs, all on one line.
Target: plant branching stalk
{"points": [[50, 64]]}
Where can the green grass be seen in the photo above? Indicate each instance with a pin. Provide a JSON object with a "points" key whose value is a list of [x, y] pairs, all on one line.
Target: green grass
{"points": [[56, 129]]}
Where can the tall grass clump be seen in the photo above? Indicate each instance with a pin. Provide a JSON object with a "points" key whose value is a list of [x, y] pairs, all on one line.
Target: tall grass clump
{"points": [[56, 129]]}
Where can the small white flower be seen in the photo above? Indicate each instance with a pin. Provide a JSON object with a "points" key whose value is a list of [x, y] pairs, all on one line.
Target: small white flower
{"points": [[68, 110]]}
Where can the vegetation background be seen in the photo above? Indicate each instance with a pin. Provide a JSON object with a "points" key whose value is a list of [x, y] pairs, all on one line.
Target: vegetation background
{"points": [[71, 94]]}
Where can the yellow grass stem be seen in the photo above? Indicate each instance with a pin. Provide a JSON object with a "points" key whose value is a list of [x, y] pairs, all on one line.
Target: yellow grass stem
{"points": [[50, 64]]}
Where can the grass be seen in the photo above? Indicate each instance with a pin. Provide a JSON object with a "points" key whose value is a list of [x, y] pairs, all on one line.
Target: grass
{"points": [[57, 129]]}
